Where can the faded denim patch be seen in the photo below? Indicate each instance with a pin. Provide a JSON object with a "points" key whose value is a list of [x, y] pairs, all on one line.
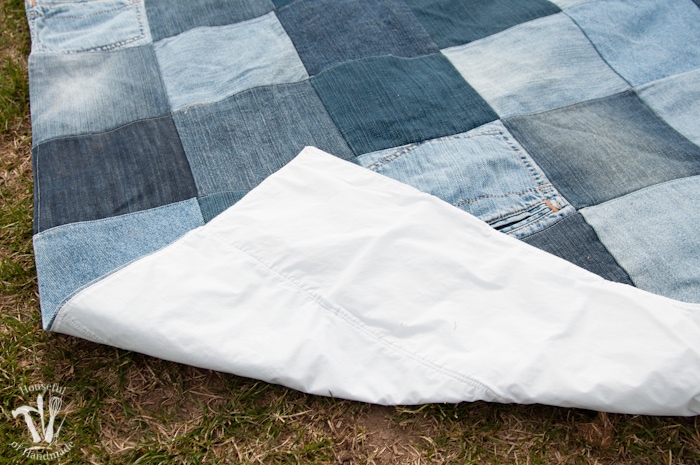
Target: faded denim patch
{"points": [[653, 234], [388, 101], [677, 100], [574, 240], [643, 40], [484, 172], [328, 32], [601, 149], [93, 92], [70, 27], [540, 65], [167, 19], [72, 256], [194, 72], [233, 145]]}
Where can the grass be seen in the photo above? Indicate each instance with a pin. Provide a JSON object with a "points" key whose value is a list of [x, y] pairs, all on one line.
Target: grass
{"points": [[125, 408]]}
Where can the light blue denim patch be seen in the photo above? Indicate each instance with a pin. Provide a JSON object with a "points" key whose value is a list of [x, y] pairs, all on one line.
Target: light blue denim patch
{"points": [[70, 27], [250, 54], [484, 172], [643, 40], [234, 144], [93, 92], [676, 99], [653, 234], [70, 257], [540, 65]]}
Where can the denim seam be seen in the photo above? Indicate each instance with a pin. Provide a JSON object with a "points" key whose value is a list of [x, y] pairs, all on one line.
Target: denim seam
{"points": [[596, 49], [76, 325], [355, 321], [546, 216], [504, 195], [37, 190], [653, 111], [113, 218], [653, 186], [414, 146], [89, 134], [227, 97]]}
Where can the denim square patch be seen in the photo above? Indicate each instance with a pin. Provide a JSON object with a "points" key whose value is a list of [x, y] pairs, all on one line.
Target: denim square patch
{"points": [[70, 27], [540, 65], [328, 32], [575, 241], [72, 256], [653, 234], [167, 19], [677, 100], [194, 72], [93, 92], [601, 149], [233, 145], [386, 102], [484, 172], [644, 40], [456, 22], [132, 168]]}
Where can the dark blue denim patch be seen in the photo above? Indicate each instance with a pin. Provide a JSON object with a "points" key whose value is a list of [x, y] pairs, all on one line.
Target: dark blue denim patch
{"points": [[697, 2], [574, 240], [234, 144], [213, 204], [385, 102], [457, 22], [601, 149], [132, 168], [82, 93], [280, 3], [328, 32], [166, 19]]}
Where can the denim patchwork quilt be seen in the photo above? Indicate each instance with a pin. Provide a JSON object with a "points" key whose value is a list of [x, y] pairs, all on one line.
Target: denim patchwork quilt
{"points": [[394, 201]]}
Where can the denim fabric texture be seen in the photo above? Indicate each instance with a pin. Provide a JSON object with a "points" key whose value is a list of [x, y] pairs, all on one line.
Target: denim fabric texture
{"points": [[70, 27], [516, 78], [167, 18], [83, 178], [386, 102], [676, 99], [526, 114], [70, 257], [214, 204], [602, 149], [330, 32], [456, 22], [644, 40], [233, 145], [281, 3], [195, 73], [661, 253], [484, 172], [93, 92], [574, 240]]}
